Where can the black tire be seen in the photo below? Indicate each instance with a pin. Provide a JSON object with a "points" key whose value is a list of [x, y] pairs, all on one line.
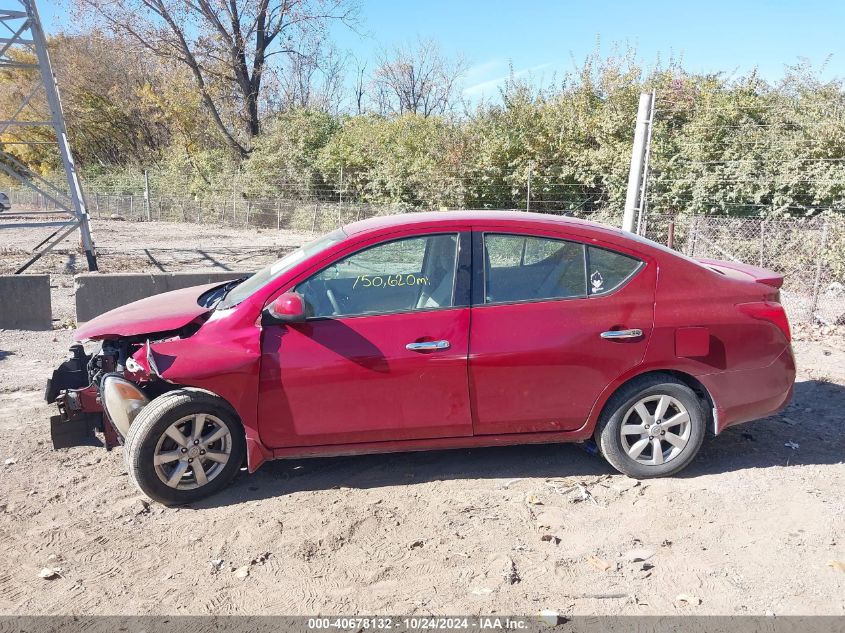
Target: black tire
{"points": [[609, 429], [149, 428]]}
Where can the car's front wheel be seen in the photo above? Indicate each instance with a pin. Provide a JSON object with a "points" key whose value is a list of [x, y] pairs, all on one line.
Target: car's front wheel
{"points": [[652, 427], [184, 446]]}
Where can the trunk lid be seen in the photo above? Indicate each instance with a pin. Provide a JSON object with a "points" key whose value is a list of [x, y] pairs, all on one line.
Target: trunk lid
{"points": [[745, 272]]}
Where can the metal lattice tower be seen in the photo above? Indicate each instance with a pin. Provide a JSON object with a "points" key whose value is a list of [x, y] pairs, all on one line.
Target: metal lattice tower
{"points": [[22, 22]]}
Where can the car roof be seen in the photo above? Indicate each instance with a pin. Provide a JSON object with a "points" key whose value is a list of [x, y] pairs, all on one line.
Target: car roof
{"points": [[517, 218], [466, 216]]}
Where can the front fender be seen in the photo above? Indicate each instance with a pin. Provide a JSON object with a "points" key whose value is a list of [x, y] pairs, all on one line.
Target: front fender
{"points": [[223, 357]]}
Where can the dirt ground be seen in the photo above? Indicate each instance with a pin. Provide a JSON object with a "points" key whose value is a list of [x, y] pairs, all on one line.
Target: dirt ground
{"points": [[755, 526]]}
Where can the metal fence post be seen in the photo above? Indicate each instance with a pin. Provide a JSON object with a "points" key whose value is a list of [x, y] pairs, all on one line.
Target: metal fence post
{"points": [[528, 196], [817, 282], [147, 195], [694, 235]]}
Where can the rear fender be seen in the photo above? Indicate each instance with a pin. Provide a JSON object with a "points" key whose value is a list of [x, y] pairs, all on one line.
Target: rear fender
{"points": [[641, 370]]}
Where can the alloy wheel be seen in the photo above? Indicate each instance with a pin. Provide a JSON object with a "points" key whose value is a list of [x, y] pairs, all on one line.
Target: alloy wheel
{"points": [[655, 430], [192, 451]]}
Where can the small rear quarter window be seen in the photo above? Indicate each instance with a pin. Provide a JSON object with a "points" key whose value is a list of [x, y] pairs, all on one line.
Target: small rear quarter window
{"points": [[608, 270]]}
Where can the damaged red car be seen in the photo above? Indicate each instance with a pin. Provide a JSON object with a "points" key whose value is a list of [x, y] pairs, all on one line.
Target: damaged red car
{"points": [[431, 331]]}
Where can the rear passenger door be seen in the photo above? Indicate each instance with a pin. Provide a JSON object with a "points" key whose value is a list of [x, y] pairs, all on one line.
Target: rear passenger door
{"points": [[541, 303]]}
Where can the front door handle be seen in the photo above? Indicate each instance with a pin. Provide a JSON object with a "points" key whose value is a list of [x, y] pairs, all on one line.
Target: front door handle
{"points": [[613, 334], [427, 346]]}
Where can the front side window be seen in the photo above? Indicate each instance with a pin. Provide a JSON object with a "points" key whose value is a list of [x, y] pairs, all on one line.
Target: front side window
{"points": [[608, 270], [530, 268], [416, 273]]}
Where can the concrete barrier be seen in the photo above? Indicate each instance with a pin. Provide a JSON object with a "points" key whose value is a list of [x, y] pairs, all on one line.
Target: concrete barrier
{"points": [[98, 292], [25, 302]]}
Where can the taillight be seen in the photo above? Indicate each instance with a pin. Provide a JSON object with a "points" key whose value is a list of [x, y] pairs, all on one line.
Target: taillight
{"points": [[768, 311]]}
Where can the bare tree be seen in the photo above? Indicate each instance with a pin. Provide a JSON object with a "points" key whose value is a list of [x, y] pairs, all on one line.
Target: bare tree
{"points": [[419, 80], [360, 86], [226, 44], [312, 79]]}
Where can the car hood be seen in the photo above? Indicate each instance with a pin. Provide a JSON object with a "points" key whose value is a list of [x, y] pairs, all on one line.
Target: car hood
{"points": [[159, 313]]}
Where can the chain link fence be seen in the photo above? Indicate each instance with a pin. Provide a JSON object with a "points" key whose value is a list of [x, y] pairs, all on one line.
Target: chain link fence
{"points": [[315, 216], [808, 252]]}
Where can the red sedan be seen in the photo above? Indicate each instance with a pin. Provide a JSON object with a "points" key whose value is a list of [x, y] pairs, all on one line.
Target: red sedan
{"points": [[432, 331]]}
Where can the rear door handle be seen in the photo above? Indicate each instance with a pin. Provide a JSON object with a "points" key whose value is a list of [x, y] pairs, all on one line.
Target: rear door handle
{"points": [[612, 334], [427, 346]]}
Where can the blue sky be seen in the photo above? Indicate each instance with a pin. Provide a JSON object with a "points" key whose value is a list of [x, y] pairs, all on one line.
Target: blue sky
{"points": [[543, 37]]}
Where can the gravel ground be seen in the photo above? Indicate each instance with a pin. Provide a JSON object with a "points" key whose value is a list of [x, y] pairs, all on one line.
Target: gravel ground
{"points": [[754, 526]]}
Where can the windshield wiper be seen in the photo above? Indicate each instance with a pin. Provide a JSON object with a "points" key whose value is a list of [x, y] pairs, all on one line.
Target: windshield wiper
{"points": [[225, 288]]}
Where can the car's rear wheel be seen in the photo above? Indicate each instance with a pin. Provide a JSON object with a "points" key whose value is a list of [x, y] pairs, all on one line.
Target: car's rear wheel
{"points": [[184, 446], [652, 427]]}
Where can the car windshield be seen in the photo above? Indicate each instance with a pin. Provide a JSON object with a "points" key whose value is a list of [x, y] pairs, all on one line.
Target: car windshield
{"points": [[278, 268]]}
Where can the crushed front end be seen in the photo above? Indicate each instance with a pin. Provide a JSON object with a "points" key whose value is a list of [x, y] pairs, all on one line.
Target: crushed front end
{"points": [[99, 395], [74, 387]]}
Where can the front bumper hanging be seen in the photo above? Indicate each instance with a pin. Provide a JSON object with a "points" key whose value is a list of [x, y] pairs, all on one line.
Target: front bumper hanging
{"points": [[80, 414], [71, 374]]}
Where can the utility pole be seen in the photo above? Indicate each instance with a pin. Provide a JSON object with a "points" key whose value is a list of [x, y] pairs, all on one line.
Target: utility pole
{"points": [[635, 175], [23, 22], [642, 209]]}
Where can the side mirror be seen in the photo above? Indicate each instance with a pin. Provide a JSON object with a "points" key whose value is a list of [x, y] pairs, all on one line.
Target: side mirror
{"points": [[286, 308]]}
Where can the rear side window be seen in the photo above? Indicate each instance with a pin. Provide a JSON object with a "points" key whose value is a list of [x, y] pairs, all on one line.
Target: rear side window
{"points": [[608, 270], [530, 268]]}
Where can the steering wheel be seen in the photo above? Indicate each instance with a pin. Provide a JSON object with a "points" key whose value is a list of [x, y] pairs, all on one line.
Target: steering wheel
{"points": [[422, 297], [333, 301]]}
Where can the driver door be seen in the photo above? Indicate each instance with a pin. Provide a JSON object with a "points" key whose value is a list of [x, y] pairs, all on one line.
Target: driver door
{"points": [[383, 353]]}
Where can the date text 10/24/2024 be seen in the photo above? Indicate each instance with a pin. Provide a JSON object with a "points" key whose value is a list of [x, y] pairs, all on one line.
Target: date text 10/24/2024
{"points": [[423, 623]]}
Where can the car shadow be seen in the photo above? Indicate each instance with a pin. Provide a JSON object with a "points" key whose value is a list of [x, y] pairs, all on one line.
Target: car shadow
{"points": [[809, 431]]}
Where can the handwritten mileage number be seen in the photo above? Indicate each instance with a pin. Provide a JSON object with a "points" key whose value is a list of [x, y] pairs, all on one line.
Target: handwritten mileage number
{"points": [[389, 281]]}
